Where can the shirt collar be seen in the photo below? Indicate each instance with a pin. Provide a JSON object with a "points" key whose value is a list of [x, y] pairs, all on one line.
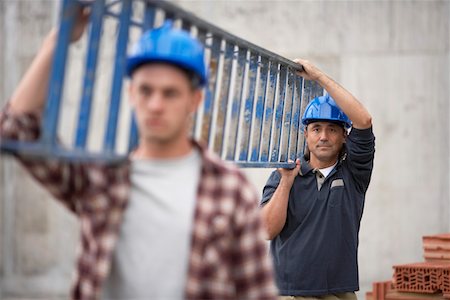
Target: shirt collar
{"points": [[305, 167]]}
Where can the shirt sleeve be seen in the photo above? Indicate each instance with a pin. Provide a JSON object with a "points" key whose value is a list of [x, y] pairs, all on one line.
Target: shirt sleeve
{"points": [[252, 264], [360, 146], [62, 179], [270, 187]]}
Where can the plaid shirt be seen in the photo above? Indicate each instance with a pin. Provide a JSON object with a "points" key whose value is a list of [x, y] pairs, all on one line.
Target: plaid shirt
{"points": [[228, 258]]}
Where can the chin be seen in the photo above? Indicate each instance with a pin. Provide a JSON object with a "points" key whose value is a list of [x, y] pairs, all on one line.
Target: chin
{"points": [[325, 157], [152, 138], [159, 140]]}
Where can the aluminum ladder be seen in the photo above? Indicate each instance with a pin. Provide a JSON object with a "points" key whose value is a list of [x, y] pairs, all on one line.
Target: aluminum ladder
{"points": [[251, 113]]}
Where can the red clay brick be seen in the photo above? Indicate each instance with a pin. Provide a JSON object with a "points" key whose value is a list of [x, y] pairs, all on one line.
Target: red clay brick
{"points": [[445, 282], [437, 256], [394, 295], [379, 290], [425, 277], [385, 291], [437, 247]]}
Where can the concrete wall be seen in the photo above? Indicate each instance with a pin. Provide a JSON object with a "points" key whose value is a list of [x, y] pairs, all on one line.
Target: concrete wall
{"points": [[393, 55]]}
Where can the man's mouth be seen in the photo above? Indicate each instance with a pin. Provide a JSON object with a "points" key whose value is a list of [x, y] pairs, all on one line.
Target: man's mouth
{"points": [[153, 122]]}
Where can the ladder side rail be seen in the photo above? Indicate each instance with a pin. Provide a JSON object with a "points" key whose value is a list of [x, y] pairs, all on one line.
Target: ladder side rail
{"points": [[201, 36], [248, 108], [235, 119], [269, 107], [259, 109], [296, 132], [148, 23], [206, 133], [287, 120], [117, 81], [84, 114], [274, 156], [52, 111], [224, 93]]}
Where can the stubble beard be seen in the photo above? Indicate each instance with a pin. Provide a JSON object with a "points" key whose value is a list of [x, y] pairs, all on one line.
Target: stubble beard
{"points": [[161, 140]]}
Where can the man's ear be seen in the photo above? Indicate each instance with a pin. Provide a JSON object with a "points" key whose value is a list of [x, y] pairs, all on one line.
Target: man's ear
{"points": [[130, 94], [197, 99]]}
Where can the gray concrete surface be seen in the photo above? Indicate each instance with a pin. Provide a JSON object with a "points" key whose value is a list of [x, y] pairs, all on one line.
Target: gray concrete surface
{"points": [[393, 55]]}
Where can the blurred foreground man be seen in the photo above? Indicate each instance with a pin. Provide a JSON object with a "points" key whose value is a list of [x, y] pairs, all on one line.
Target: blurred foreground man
{"points": [[171, 222]]}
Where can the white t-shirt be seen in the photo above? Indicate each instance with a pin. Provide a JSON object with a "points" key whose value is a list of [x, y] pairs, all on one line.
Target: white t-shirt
{"points": [[321, 174], [326, 171], [151, 257]]}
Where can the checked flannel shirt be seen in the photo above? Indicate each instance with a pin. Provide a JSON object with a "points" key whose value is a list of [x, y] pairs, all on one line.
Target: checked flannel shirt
{"points": [[228, 258]]}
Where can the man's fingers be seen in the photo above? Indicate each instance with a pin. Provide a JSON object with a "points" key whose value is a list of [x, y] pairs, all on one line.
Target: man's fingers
{"points": [[302, 63], [84, 14], [82, 19], [300, 67], [297, 164]]}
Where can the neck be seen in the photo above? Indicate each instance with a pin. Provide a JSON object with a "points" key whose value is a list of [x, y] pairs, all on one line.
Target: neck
{"points": [[319, 164], [146, 150]]}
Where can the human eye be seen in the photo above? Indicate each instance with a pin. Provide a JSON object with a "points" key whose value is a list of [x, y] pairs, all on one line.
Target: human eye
{"points": [[145, 91], [171, 93]]}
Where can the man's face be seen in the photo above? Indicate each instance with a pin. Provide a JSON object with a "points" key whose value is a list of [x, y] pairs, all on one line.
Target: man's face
{"points": [[164, 102], [325, 140]]}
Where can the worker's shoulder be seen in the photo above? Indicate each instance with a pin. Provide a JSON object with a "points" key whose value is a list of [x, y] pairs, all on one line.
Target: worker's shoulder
{"points": [[214, 164], [227, 174]]}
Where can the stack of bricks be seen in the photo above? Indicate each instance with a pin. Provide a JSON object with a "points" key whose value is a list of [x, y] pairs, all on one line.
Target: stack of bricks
{"points": [[425, 280], [437, 247]]}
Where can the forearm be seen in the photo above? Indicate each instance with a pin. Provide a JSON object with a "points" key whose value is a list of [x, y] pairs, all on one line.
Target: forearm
{"points": [[31, 93], [357, 113], [275, 212]]}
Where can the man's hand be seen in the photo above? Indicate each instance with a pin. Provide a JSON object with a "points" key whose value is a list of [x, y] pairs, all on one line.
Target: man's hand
{"points": [[81, 20], [288, 175], [310, 72]]}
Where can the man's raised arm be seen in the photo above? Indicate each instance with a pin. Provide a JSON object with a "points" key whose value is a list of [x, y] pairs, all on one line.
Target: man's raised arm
{"points": [[30, 95], [356, 112]]}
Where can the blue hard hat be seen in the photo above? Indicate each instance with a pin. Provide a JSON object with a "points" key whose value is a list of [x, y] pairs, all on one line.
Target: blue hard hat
{"points": [[324, 108], [169, 45]]}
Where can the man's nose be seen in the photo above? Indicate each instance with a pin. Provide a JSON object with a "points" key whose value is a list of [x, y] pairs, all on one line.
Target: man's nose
{"points": [[155, 102], [324, 135]]}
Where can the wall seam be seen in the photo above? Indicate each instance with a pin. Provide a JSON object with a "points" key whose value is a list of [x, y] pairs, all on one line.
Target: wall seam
{"points": [[8, 243]]}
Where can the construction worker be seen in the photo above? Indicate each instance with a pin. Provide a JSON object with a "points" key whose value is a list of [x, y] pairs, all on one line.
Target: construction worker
{"points": [[173, 221], [312, 212]]}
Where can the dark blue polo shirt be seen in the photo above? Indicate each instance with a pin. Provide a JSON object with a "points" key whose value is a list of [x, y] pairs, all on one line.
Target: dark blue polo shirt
{"points": [[316, 253]]}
